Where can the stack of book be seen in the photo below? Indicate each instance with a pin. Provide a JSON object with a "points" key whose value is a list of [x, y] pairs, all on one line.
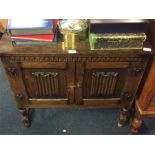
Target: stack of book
{"points": [[117, 34], [32, 32]]}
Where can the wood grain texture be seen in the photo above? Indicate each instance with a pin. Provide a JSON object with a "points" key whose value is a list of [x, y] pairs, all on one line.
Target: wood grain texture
{"points": [[82, 47], [79, 83], [60, 65], [48, 103], [101, 65], [148, 89], [145, 102], [133, 80], [112, 102]]}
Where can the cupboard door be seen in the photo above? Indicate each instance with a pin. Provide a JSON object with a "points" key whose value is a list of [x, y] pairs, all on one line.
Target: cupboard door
{"points": [[45, 83], [105, 83], [49, 84]]}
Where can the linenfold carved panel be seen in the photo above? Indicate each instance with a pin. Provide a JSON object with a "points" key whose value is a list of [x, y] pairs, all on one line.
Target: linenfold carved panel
{"points": [[46, 83], [103, 83]]}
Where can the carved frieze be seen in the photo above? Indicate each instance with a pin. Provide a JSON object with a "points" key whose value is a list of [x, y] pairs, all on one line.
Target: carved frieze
{"points": [[69, 58]]}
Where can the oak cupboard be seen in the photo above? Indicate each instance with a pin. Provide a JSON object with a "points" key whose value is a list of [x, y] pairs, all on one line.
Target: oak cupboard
{"points": [[51, 77]]}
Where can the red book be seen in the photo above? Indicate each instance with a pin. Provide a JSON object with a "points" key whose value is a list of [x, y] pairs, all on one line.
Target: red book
{"points": [[41, 37]]}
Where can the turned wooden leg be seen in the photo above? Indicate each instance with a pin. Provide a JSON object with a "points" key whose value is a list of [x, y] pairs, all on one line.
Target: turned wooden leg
{"points": [[135, 124], [25, 117], [123, 118]]}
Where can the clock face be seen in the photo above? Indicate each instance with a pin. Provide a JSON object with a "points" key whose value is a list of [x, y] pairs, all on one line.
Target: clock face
{"points": [[73, 25]]}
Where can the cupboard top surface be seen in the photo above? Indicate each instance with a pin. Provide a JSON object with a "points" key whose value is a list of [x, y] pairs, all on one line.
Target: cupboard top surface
{"points": [[82, 47]]}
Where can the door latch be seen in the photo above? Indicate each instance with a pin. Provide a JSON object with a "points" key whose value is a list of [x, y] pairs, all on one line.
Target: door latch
{"points": [[77, 85]]}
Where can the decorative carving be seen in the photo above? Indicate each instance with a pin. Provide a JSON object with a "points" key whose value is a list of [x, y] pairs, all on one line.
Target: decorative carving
{"points": [[12, 71], [46, 84], [103, 83], [25, 117], [44, 74], [69, 58], [137, 71]]}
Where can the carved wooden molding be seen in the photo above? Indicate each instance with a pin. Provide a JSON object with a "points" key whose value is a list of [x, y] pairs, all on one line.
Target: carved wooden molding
{"points": [[69, 58], [12, 71], [44, 74], [137, 70]]}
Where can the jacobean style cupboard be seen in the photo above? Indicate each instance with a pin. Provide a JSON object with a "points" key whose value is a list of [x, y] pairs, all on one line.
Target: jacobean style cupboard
{"points": [[51, 77]]}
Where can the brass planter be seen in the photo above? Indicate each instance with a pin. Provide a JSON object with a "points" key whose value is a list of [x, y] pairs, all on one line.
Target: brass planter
{"points": [[70, 38]]}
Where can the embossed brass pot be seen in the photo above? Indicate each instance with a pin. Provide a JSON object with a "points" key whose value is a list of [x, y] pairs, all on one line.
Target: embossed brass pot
{"points": [[70, 38]]}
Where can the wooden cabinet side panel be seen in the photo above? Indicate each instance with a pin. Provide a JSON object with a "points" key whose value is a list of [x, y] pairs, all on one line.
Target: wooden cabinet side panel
{"points": [[136, 72], [14, 75]]}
